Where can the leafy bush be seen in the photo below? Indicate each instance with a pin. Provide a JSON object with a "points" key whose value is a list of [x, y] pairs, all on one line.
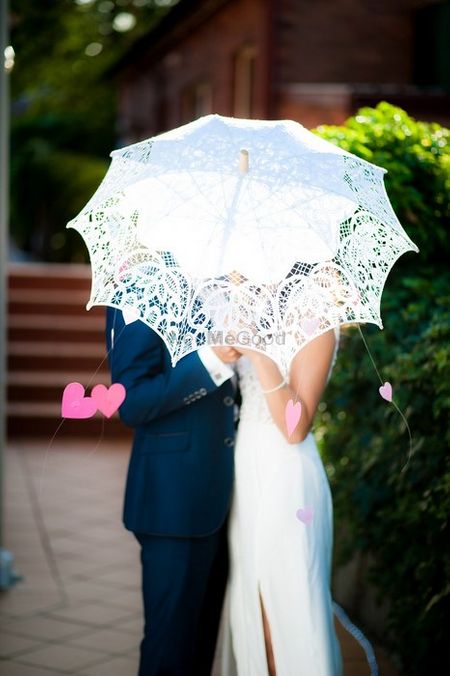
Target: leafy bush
{"points": [[417, 157], [52, 178], [400, 518]]}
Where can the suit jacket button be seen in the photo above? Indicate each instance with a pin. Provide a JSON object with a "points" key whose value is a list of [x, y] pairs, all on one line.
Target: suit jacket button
{"points": [[228, 441], [203, 391], [228, 401]]}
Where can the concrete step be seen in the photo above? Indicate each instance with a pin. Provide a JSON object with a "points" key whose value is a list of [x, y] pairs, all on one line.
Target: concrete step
{"points": [[48, 386], [53, 341], [49, 327], [49, 276], [56, 356], [39, 419], [58, 301]]}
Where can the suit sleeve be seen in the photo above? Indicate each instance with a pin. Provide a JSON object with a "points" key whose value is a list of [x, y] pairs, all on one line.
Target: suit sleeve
{"points": [[135, 355], [216, 368]]}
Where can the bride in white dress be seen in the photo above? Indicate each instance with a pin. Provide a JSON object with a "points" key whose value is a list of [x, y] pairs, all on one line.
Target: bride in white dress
{"points": [[281, 524]]}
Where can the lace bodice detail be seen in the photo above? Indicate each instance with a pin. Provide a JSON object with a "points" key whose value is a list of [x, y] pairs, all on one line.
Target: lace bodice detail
{"points": [[254, 405]]}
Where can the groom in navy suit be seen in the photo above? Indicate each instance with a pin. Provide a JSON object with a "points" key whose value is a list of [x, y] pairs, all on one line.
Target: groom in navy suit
{"points": [[178, 490]]}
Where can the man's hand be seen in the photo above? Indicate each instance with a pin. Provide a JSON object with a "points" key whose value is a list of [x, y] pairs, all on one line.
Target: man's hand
{"points": [[227, 354]]}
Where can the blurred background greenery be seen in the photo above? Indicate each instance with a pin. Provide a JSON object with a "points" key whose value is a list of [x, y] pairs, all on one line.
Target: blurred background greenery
{"points": [[63, 112], [399, 521]]}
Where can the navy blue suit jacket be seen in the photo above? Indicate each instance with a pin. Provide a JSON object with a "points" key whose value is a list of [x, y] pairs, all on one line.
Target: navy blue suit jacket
{"points": [[180, 473]]}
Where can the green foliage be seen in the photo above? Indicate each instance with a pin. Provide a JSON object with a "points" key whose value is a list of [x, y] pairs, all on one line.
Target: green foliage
{"points": [[401, 518], [56, 70], [52, 185], [417, 157], [63, 112]]}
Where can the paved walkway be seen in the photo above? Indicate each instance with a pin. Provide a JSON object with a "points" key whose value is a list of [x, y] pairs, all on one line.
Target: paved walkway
{"points": [[78, 608]]}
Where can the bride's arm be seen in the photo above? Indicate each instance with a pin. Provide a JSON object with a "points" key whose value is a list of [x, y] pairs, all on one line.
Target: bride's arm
{"points": [[307, 380]]}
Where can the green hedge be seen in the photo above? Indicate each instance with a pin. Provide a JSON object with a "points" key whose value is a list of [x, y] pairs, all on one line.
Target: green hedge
{"points": [[52, 178], [400, 518]]}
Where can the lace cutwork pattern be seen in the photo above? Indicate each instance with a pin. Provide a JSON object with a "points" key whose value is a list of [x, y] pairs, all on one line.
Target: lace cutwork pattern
{"points": [[254, 405], [301, 243]]}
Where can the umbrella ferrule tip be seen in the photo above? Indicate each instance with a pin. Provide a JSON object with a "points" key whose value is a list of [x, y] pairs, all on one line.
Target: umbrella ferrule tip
{"points": [[243, 161]]}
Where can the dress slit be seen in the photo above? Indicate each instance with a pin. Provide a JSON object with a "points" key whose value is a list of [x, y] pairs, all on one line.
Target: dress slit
{"points": [[270, 655]]}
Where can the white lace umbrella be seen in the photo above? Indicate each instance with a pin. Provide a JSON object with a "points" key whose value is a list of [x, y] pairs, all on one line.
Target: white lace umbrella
{"points": [[254, 226]]}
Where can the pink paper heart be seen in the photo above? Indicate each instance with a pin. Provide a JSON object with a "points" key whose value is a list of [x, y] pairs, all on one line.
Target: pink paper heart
{"points": [[109, 399], [130, 315], [310, 325], [386, 391], [305, 514], [292, 415], [74, 404]]}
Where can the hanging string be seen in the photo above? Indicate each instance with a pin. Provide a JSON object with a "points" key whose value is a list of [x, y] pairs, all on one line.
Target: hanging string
{"points": [[358, 636], [108, 352], [61, 422], [393, 402], [46, 452], [370, 354], [99, 440]]}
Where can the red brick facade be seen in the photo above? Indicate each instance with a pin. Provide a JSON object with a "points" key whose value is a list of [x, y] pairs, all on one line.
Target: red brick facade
{"points": [[314, 61]]}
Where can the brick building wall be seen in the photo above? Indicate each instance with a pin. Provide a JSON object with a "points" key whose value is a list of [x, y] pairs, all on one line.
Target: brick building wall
{"points": [[315, 61], [195, 73], [335, 55], [344, 41]]}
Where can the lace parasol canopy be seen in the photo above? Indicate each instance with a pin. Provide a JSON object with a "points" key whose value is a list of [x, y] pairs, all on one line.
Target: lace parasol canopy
{"points": [[252, 230]]}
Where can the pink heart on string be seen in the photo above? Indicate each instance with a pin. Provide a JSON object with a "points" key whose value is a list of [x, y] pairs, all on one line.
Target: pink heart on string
{"points": [[74, 404], [305, 515], [130, 315], [109, 399], [292, 415], [386, 391], [310, 325]]}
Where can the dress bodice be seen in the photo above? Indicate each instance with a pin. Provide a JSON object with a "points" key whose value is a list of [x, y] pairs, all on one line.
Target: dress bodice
{"points": [[254, 405]]}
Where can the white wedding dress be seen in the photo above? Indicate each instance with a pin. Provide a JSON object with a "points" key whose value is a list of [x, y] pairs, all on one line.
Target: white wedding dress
{"points": [[274, 553]]}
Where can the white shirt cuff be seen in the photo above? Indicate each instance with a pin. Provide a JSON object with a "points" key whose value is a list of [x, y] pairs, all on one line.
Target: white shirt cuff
{"points": [[216, 368]]}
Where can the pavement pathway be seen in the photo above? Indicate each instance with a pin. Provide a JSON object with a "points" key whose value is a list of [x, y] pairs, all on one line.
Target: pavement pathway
{"points": [[78, 608]]}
